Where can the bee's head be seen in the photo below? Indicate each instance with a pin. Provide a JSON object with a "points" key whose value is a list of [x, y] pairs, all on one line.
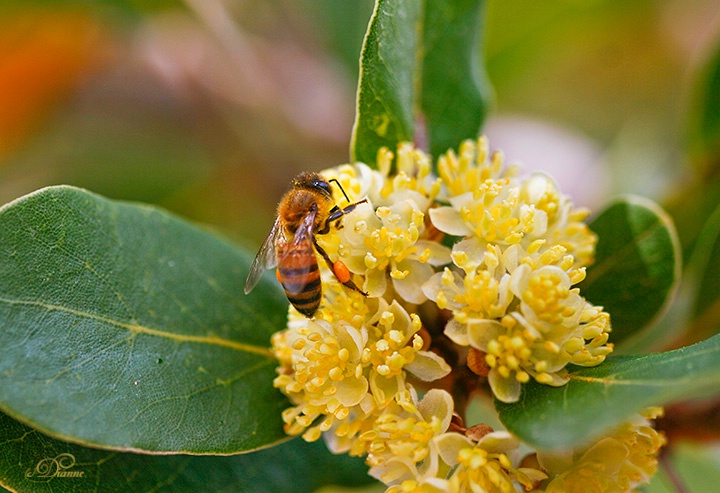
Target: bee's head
{"points": [[313, 181]]}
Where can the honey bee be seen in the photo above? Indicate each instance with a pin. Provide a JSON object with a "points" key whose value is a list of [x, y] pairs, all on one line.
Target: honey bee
{"points": [[305, 211]]}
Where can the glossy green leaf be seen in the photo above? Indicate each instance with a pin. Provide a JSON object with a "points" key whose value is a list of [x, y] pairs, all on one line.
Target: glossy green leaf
{"points": [[637, 264], [596, 399], [33, 462], [420, 60], [124, 327], [386, 89], [454, 86]]}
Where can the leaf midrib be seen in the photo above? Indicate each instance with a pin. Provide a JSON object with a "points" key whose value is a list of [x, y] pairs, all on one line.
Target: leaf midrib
{"points": [[135, 329], [662, 382]]}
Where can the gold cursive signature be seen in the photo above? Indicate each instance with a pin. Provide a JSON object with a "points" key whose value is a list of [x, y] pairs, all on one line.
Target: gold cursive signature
{"points": [[56, 467]]}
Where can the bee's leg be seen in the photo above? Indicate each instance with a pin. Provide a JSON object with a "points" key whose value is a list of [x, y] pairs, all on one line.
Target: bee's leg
{"points": [[339, 270], [335, 214]]}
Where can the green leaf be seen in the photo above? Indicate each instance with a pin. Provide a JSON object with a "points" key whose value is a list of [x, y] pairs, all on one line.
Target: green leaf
{"points": [[637, 264], [596, 399], [704, 125], [124, 327], [386, 89], [706, 264], [454, 86], [292, 466], [420, 60], [696, 308]]}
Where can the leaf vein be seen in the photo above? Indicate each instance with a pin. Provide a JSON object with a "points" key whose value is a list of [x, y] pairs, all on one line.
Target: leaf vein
{"points": [[139, 329]]}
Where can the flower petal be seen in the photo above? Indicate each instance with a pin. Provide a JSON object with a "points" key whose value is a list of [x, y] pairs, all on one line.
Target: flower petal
{"points": [[428, 366], [450, 444], [351, 391], [432, 286], [498, 442], [375, 283], [439, 254], [480, 332], [410, 288], [439, 404], [449, 221], [505, 389], [394, 470], [457, 332], [384, 389]]}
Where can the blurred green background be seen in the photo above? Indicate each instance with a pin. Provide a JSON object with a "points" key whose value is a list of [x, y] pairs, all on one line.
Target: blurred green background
{"points": [[209, 108]]}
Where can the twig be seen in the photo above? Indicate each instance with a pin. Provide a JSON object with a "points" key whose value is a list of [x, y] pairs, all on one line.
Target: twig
{"points": [[672, 474]]}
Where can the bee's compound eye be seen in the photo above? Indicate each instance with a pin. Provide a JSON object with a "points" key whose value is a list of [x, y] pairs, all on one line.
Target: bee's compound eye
{"points": [[321, 184]]}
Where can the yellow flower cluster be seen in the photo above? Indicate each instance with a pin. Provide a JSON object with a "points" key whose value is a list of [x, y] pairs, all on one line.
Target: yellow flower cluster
{"points": [[477, 259], [344, 370], [510, 285]]}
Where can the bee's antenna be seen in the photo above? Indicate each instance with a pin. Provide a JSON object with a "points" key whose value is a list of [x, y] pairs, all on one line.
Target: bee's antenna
{"points": [[340, 187]]}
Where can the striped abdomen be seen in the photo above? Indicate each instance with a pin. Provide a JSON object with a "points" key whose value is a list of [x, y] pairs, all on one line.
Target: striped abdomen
{"points": [[300, 277]]}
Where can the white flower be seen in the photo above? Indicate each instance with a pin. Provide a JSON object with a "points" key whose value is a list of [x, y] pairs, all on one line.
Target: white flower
{"points": [[389, 242]]}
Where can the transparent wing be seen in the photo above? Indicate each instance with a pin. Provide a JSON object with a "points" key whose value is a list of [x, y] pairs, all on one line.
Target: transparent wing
{"points": [[304, 234], [265, 258], [299, 255]]}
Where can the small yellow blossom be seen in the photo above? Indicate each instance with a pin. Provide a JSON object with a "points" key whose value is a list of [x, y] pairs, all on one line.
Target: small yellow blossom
{"points": [[412, 178], [322, 373], [338, 303], [481, 293], [468, 170], [485, 202], [477, 293], [517, 350], [547, 298], [494, 206], [386, 238], [394, 349], [616, 463], [388, 242], [565, 226], [487, 465], [400, 444], [357, 181], [515, 354]]}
